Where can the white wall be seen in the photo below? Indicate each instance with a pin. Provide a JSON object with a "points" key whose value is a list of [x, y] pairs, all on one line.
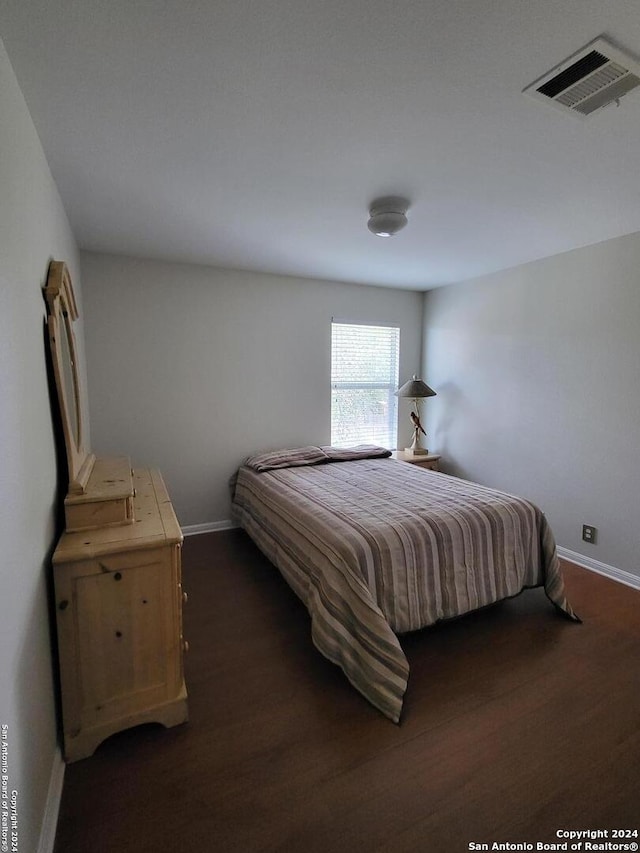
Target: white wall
{"points": [[33, 230], [537, 371], [192, 368]]}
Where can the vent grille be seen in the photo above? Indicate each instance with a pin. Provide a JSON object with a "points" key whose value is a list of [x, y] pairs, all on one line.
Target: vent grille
{"points": [[597, 75]]}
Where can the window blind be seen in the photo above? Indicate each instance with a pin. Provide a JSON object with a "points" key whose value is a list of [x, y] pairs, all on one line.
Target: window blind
{"points": [[364, 377]]}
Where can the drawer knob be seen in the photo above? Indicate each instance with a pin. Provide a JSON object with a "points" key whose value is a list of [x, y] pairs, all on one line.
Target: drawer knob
{"points": [[185, 646], [185, 597], [117, 576], [63, 604]]}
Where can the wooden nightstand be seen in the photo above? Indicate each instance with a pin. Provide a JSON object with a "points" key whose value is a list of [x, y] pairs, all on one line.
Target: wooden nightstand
{"points": [[427, 460]]}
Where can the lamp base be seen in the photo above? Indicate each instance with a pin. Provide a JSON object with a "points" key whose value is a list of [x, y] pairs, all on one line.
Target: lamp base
{"points": [[416, 451]]}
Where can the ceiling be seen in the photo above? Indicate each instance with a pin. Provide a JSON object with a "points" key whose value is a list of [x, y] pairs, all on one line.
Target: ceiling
{"points": [[253, 134]]}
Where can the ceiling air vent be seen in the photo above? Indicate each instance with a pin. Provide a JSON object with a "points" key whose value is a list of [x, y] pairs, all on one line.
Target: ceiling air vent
{"points": [[595, 76]]}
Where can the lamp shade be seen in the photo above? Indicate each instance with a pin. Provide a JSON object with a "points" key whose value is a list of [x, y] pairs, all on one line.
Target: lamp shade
{"points": [[415, 388]]}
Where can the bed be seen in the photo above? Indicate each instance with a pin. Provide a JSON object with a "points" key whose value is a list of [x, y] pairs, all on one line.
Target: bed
{"points": [[376, 548]]}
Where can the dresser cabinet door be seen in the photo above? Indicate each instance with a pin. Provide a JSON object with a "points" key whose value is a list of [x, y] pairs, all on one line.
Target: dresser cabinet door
{"points": [[123, 631]]}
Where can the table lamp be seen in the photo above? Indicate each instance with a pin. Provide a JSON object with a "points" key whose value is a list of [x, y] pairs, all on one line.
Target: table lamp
{"points": [[416, 389]]}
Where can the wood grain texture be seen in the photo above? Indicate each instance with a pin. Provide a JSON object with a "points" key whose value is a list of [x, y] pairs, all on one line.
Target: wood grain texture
{"points": [[155, 524], [517, 723], [119, 623]]}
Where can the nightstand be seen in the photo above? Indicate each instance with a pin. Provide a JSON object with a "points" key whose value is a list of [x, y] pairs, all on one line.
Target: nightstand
{"points": [[425, 460]]}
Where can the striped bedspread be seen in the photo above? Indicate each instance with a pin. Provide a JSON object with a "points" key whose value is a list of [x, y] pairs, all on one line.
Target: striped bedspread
{"points": [[376, 548]]}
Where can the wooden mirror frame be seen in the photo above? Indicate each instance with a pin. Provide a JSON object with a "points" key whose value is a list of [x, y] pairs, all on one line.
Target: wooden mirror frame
{"points": [[63, 312]]}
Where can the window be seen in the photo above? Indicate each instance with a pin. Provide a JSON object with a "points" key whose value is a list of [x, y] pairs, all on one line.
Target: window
{"points": [[364, 377]]}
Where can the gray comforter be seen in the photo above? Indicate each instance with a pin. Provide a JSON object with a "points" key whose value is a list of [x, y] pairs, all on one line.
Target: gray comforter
{"points": [[376, 548]]}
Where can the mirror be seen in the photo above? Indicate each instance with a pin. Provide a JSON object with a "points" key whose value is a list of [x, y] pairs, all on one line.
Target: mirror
{"points": [[69, 377], [62, 312]]}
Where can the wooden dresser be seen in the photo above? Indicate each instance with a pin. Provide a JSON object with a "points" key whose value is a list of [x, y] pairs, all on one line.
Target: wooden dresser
{"points": [[117, 573], [119, 598]]}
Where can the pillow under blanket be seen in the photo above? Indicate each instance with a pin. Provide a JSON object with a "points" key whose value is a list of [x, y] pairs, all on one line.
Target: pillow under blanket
{"points": [[362, 451], [312, 455]]}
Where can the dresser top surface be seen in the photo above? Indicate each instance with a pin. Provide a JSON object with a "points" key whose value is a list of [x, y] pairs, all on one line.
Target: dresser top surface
{"points": [[155, 524], [110, 478]]}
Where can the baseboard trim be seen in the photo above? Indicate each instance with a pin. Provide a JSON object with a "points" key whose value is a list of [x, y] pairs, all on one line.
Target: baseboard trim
{"points": [[601, 568], [52, 806], [208, 527]]}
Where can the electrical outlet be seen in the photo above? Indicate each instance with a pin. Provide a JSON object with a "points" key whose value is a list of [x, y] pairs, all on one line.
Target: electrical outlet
{"points": [[589, 533]]}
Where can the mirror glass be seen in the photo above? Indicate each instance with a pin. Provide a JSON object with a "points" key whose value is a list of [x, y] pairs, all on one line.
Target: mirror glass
{"points": [[69, 379], [62, 313]]}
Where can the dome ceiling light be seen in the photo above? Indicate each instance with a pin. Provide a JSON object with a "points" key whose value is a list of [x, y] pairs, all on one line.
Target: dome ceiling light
{"points": [[387, 216]]}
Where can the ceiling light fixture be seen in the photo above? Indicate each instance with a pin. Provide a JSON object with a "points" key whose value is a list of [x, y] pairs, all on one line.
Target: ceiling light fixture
{"points": [[387, 216]]}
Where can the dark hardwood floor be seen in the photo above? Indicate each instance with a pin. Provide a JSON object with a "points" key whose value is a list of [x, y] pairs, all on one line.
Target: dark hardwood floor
{"points": [[517, 724]]}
